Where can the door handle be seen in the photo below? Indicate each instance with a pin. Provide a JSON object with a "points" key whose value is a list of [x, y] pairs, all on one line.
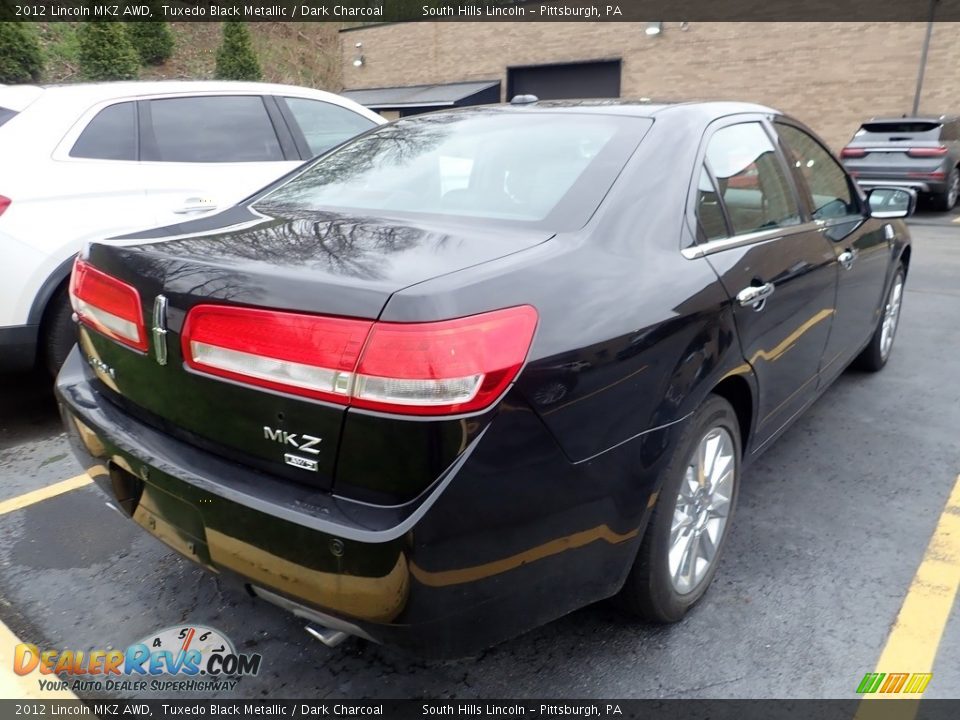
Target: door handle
{"points": [[755, 296], [847, 258], [196, 204]]}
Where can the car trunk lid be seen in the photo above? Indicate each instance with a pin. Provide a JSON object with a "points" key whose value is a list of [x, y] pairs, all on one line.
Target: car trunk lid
{"points": [[304, 263]]}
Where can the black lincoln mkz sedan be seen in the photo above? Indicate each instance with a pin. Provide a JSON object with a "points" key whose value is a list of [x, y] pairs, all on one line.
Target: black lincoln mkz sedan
{"points": [[473, 370]]}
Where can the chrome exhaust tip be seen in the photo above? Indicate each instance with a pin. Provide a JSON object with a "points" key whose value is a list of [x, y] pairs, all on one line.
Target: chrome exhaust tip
{"points": [[319, 622], [328, 636]]}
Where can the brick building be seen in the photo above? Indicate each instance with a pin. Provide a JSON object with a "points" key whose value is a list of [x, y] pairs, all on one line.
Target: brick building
{"points": [[829, 75]]}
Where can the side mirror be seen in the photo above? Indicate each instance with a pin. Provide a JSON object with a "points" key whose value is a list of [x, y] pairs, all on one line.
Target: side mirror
{"points": [[891, 202]]}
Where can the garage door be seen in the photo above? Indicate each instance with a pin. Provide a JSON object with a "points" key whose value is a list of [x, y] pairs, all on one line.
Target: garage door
{"points": [[560, 82]]}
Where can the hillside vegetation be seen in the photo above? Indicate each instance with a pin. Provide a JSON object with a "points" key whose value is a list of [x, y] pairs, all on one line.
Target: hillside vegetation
{"points": [[296, 53]]}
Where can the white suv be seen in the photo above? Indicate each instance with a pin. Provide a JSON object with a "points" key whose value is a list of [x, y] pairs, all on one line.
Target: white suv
{"points": [[85, 162]]}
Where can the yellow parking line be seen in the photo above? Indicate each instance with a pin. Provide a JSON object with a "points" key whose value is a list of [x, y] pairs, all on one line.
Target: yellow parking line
{"points": [[22, 687], [916, 634], [22, 501]]}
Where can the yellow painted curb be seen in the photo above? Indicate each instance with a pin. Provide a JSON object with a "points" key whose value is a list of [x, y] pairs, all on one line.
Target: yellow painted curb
{"points": [[22, 687], [35, 496], [916, 634]]}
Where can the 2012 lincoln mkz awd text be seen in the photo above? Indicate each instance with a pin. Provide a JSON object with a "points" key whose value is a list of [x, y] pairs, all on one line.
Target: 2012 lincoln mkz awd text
{"points": [[473, 370]]}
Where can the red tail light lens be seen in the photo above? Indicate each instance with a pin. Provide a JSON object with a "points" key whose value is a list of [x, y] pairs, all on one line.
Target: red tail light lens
{"points": [[4, 203], [301, 354], [438, 368], [443, 367], [107, 305], [850, 152], [927, 152]]}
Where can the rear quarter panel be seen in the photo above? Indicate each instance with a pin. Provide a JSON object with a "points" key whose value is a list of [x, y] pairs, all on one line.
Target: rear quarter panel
{"points": [[632, 336]]}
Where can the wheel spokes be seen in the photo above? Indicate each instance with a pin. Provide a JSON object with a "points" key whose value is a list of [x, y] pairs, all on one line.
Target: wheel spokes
{"points": [[891, 316], [702, 509], [688, 564], [706, 548]]}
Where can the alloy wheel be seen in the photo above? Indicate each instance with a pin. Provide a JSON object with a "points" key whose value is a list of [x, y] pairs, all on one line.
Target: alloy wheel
{"points": [[953, 190], [702, 509], [891, 316]]}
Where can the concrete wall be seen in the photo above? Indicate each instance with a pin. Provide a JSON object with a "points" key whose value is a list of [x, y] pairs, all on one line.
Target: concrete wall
{"points": [[829, 75]]}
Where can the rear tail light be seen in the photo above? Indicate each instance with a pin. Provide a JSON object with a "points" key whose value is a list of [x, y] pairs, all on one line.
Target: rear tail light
{"points": [[451, 366], [438, 368], [850, 152], [107, 305], [927, 152], [301, 354], [4, 204]]}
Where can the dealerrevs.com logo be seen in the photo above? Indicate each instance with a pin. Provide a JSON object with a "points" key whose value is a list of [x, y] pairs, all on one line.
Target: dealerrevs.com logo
{"points": [[182, 658]]}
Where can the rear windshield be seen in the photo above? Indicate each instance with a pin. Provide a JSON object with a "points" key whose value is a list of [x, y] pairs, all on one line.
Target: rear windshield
{"points": [[532, 168], [6, 114], [908, 129]]}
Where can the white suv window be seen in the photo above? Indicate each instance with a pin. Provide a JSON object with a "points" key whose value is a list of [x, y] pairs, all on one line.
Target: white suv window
{"points": [[325, 124], [111, 135], [216, 129]]}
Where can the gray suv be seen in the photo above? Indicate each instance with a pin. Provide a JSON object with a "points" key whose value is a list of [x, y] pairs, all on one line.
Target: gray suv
{"points": [[916, 152]]}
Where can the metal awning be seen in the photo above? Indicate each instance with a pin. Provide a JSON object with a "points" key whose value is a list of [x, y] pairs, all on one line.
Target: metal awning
{"points": [[423, 96]]}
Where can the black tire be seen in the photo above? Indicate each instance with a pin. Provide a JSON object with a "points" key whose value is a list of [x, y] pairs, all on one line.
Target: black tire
{"points": [[875, 355], [59, 333], [649, 590], [946, 200]]}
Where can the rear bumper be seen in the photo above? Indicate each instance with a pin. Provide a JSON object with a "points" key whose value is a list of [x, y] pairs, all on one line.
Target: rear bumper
{"points": [[18, 347], [486, 553], [924, 186]]}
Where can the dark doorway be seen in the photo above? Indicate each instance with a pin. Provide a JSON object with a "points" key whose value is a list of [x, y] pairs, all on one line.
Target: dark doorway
{"points": [[561, 82]]}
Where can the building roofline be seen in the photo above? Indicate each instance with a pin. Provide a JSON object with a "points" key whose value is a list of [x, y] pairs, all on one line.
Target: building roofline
{"points": [[372, 25]]}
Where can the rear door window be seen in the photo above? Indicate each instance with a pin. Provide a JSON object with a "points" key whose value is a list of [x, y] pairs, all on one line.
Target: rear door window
{"points": [[6, 114], [217, 129], [111, 135], [709, 211], [324, 124], [751, 179]]}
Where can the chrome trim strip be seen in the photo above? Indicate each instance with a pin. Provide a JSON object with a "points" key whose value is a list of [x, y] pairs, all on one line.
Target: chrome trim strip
{"points": [[909, 184], [160, 329], [715, 246]]}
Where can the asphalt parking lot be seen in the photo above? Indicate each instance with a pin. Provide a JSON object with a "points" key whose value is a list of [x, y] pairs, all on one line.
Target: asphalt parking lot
{"points": [[834, 522]]}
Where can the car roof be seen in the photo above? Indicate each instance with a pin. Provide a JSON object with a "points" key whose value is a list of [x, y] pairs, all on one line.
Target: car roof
{"points": [[18, 97], [98, 92], [640, 107]]}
